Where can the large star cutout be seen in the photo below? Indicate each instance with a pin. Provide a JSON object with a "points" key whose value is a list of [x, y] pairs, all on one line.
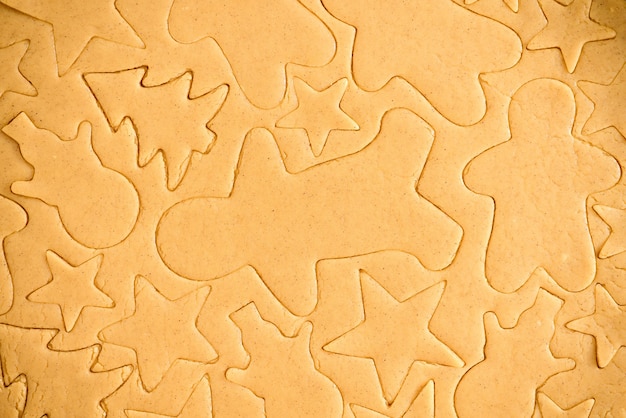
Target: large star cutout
{"points": [[569, 28], [198, 404], [72, 288], [609, 101], [607, 324], [157, 327], [11, 79], [76, 22], [381, 335], [549, 408], [616, 219], [318, 113]]}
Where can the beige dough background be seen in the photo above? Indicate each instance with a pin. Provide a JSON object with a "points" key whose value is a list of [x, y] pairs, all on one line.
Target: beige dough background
{"points": [[314, 208]]}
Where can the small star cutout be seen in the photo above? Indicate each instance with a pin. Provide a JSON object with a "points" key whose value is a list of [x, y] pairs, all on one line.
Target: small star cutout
{"points": [[156, 329], [72, 288], [569, 28], [11, 79], [198, 404], [549, 408], [76, 22], [318, 113], [609, 103], [381, 337], [607, 325], [616, 219]]}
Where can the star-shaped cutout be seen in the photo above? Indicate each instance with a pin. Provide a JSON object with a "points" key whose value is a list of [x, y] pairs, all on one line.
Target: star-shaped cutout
{"points": [[11, 79], [609, 101], [569, 28], [198, 404], [381, 337], [157, 327], [607, 324], [616, 219], [549, 408], [72, 288], [76, 22], [318, 113]]}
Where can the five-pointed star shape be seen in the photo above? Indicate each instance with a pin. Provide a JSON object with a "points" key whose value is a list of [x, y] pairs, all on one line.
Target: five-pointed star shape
{"points": [[609, 101], [157, 327], [607, 324], [76, 22], [11, 79], [381, 335], [549, 408], [198, 404], [616, 219], [72, 288], [569, 28], [318, 113]]}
